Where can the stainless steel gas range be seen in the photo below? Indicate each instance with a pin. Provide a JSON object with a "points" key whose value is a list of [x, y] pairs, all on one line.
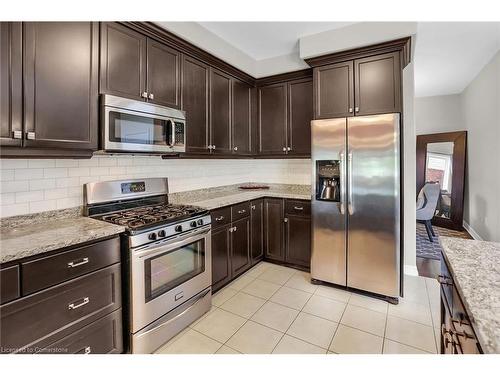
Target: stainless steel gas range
{"points": [[168, 253]]}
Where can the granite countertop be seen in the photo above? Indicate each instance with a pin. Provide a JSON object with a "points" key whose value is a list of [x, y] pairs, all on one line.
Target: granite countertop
{"points": [[217, 197], [475, 267], [29, 235]]}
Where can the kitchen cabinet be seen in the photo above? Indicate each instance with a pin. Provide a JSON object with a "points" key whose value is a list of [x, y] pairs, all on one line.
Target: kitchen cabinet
{"points": [[300, 114], [377, 84], [272, 119], [195, 101], [221, 253], [123, 61], [60, 75], [298, 233], [257, 230], [138, 67], [274, 231], [79, 288], [220, 112], [334, 90], [241, 118], [240, 246], [11, 96]]}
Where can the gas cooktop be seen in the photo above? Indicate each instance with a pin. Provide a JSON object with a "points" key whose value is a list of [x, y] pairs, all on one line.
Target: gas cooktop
{"points": [[143, 217]]}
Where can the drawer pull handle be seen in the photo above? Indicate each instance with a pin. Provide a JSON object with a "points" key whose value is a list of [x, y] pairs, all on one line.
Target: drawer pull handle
{"points": [[242, 211], [298, 208], [74, 264], [72, 306], [220, 218], [87, 350]]}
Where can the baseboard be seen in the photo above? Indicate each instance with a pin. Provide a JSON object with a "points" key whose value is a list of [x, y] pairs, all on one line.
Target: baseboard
{"points": [[411, 270], [471, 231]]}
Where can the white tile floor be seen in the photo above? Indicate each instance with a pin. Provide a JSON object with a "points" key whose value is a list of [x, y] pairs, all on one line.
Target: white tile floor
{"points": [[274, 309]]}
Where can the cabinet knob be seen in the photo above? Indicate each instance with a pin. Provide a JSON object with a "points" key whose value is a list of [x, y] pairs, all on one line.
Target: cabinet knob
{"points": [[356, 109], [30, 135], [17, 134], [87, 350], [209, 147], [151, 96], [235, 148], [350, 109], [289, 148], [284, 149], [144, 95], [285, 220], [252, 207], [213, 147]]}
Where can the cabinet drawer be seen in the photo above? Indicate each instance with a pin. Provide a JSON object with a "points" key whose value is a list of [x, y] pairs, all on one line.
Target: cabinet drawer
{"points": [[9, 284], [297, 207], [220, 217], [49, 315], [105, 336], [45, 272], [240, 210]]}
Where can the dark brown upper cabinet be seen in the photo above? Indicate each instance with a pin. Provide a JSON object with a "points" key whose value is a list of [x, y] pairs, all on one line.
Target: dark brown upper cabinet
{"points": [[195, 101], [11, 76], [123, 61], [138, 67], [272, 120], [163, 81], [220, 112], [300, 114], [273, 232], [61, 84], [334, 90], [241, 118], [377, 84]]}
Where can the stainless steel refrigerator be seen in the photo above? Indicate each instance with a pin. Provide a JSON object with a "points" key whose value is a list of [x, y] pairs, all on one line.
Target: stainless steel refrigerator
{"points": [[356, 203]]}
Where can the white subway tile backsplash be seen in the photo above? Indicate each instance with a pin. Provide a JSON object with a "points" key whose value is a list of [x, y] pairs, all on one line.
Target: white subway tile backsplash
{"points": [[60, 184]]}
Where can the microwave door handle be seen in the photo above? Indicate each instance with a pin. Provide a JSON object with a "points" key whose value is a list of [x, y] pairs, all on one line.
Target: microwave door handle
{"points": [[173, 133], [169, 133]]}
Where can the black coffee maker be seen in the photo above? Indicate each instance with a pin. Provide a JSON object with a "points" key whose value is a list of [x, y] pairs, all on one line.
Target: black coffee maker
{"points": [[328, 180]]}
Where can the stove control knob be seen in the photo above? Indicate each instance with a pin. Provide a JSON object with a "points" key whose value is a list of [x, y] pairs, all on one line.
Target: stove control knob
{"points": [[200, 221], [161, 233], [178, 228], [152, 236], [193, 224]]}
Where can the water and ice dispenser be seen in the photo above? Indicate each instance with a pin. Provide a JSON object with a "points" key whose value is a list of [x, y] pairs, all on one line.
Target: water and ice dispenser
{"points": [[328, 180]]}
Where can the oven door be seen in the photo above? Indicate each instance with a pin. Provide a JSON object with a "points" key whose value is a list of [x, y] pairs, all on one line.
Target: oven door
{"points": [[166, 274], [126, 130]]}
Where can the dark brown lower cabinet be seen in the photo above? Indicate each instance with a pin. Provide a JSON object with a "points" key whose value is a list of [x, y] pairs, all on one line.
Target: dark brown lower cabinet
{"points": [[240, 246], [298, 240], [273, 233], [257, 230], [457, 333], [221, 261]]}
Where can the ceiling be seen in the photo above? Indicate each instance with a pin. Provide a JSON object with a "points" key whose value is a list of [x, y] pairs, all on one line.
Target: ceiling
{"points": [[264, 40], [448, 55]]}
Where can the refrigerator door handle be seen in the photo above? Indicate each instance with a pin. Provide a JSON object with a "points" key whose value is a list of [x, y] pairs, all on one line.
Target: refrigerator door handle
{"points": [[350, 203], [342, 182]]}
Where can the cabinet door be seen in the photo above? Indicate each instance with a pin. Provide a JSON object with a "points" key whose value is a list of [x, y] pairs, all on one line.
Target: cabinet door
{"points": [[273, 119], [60, 83], [334, 90], [221, 265], [240, 246], [273, 229], [377, 84], [257, 229], [220, 112], [298, 240], [163, 83], [194, 86], [11, 99], [123, 61], [241, 116], [300, 114]]}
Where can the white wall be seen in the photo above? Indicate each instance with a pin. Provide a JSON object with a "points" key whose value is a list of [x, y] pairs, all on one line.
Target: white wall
{"points": [[480, 103], [438, 114], [29, 186]]}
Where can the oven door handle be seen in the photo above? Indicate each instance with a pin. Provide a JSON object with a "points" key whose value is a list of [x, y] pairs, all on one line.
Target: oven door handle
{"points": [[159, 324], [166, 247]]}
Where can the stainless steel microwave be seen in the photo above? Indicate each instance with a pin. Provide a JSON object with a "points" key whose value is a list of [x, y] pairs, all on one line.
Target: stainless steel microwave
{"points": [[136, 126]]}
